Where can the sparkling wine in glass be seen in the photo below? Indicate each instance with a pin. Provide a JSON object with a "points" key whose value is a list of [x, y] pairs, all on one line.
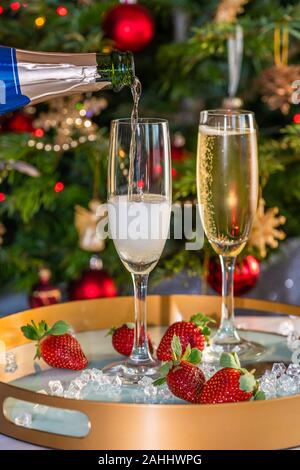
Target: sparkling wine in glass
{"points": [[139, 220], [227, 186]]}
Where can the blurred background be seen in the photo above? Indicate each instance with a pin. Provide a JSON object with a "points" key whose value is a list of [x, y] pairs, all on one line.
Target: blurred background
{"points": [[189, 55]]}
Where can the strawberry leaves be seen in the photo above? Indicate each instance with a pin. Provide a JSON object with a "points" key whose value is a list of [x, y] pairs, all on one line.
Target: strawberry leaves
{"points": [[201, 321], [30, 332], [38, 332], [247, 382], [259, 395], [176, 348], [59, 328], [192, 355], [230, 360], [195, 356]]}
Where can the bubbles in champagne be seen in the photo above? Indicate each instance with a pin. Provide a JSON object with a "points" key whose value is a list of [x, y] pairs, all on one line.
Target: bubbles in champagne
{"points": [[227, 186], [139, 229]]}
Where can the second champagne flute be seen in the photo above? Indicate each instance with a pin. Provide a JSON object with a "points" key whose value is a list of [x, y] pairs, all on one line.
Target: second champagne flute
{"points": [[227, 186], [139, 218]]}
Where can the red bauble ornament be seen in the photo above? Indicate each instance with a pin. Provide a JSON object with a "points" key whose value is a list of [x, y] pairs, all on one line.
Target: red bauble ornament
{"points": [[177, 153], [130, 26], [43, 293], [245, 276], [19, 123], [94, 283], [296, 118]]}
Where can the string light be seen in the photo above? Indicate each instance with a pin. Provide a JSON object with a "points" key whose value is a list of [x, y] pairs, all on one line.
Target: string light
{"points": [[68, 117], [40, 21], [62, 11], [39, 132], [2, 197], [59, 187]]}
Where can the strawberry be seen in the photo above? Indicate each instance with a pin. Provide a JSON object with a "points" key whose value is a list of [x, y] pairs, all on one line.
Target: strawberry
{"points": [[182, 375], [55, 345], [194, 332], [123, 338], [231, 383]]}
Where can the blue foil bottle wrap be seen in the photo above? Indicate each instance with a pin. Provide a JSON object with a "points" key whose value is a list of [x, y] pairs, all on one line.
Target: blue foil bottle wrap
{"points": [[11, 97]]}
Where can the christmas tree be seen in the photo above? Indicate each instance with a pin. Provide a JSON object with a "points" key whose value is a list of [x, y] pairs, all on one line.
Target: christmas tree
{"points": [[189, 55]]}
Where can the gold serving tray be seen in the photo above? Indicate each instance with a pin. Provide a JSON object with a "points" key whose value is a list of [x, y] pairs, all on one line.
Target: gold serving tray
{"points": [[271, 424]]}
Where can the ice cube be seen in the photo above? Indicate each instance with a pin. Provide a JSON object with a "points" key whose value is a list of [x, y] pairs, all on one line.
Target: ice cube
{"points": [[23, 419], [164, 393], [10, 362], [278, 369], [116, 383], [90, 389], [293, 370], [86, 376], [145, 381], [56, 388], [208, 370], [98, 376], [150, 391], [268, 383], [286, 385], [74, 390]]}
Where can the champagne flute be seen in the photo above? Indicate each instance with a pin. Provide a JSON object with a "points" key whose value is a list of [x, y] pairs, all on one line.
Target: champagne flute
{"points": [[227, 187], [139, 218]]}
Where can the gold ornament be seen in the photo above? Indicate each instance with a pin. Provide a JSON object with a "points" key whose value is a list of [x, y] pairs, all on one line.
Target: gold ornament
{"points": [[86, 221], [276, 82], [264, 231], [2, 232], [228, 10]]}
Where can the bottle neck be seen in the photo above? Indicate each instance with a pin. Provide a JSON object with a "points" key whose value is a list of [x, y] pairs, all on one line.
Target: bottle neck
{"points": [[32, 77], [117, 68]]}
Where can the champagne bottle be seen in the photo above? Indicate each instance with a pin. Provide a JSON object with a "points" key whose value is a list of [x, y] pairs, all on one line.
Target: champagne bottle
{"points": [[32, 77]]}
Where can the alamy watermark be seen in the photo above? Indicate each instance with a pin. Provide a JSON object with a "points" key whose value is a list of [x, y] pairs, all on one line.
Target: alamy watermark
{"points": [[296, 92], [144, 221]]}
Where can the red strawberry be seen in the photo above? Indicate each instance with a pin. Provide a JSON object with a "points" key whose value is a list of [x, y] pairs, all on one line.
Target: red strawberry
{"points": [[183, 376], [123, 338], [194, 332], [57, 347], [230, 384]]}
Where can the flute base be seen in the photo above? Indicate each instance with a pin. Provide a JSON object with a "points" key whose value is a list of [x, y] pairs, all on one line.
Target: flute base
{"points": [[247, 351], [131, 372]]}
